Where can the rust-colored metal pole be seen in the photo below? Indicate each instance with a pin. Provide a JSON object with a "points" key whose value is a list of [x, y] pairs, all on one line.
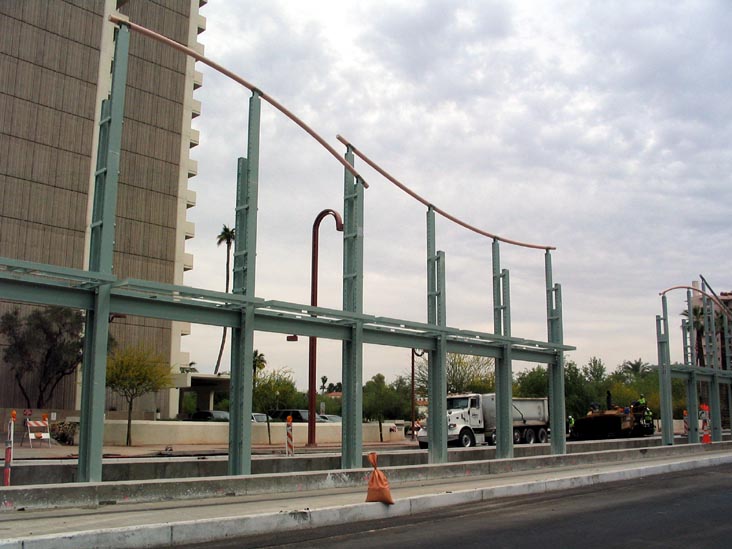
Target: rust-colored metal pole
{"points": [[313, 341]]}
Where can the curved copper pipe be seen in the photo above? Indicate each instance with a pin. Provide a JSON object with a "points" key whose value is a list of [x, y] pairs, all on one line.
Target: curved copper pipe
{"points": [[313, 341], [719, 304], [440, 211], [236, 78]]}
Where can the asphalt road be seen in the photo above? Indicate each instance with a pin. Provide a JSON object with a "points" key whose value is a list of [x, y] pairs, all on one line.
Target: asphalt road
{"points": [[682, 510]]}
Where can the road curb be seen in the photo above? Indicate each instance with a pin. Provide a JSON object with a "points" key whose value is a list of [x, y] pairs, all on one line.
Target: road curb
{"points": [[205, 530]]}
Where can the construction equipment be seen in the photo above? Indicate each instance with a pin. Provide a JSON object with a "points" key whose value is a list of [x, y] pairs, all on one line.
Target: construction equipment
{"points": [[630, 421]]}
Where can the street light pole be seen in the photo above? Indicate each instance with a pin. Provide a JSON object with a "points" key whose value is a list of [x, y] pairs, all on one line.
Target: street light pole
{"points": [[313, 341]]}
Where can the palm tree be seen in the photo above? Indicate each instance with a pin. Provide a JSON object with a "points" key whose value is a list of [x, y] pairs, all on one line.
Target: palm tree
{"points": [[226, 236], [258, 362], [697, 324], [634, 369]]}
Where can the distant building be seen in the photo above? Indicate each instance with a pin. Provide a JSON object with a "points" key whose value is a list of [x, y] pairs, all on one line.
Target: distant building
{"points": [[55, 61]]}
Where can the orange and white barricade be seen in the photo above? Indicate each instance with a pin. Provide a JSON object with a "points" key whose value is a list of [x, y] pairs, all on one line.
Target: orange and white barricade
{"points": [[38, 430], [704, 417], [9, 449], [289, 440]]}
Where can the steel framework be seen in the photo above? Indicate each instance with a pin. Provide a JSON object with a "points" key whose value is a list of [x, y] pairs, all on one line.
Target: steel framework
{"points": [[99, 292], [715, 374]]}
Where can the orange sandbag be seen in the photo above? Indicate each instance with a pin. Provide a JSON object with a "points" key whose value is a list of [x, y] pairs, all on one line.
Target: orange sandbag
{"points": [[378, 485]]}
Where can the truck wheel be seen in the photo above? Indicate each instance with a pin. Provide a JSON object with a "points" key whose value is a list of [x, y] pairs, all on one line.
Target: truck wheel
{"points": [[466, 438], [516, 436], [530, 436], [422, 445], [492, 438], [543, 436]]}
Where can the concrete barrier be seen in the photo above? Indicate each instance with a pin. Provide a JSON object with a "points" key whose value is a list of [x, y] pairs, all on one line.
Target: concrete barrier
{"points": [[28, 472], [170, 433], [108, 493]]}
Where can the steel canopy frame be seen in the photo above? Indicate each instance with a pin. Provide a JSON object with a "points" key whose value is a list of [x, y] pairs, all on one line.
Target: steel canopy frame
{"points": [[714, 375], [100, 293]]}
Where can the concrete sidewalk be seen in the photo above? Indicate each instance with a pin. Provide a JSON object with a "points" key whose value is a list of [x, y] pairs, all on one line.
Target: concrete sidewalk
{"points": [[164, 524]]}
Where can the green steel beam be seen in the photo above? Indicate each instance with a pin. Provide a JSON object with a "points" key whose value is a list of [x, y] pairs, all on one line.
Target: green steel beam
{"points": [[664, 377], [244, 278], [504, 372], [712, 353], [101, 252], [692, 403], [497, 307], [436, 357], [352, 349], [437, 360], [555, 335]]}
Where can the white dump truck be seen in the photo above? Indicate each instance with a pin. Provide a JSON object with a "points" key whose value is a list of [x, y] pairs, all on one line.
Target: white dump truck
{"points": [[471, 420]]}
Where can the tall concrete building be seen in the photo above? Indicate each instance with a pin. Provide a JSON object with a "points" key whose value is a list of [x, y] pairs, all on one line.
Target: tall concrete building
{"points": [[55, 69]]}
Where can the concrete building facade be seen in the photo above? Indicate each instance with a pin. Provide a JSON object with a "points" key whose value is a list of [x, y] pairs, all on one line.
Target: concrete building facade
{"points": [[55, 69]]}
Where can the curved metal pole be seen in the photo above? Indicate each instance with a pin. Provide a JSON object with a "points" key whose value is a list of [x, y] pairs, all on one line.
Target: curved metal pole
{"points": [[236, 78], [723, 308], [427, 203], [313, 341]]}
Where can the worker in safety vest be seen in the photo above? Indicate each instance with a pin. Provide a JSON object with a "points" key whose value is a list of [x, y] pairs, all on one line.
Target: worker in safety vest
{"points": [[642, 400], [648, 416]]}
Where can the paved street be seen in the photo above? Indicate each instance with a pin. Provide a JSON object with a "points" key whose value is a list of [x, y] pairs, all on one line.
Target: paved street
{"points": [[680, 510]]}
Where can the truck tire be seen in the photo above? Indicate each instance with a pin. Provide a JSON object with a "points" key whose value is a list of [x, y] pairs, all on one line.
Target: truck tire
{"points": [[492, 438], [466, 438], [422, 445], [530, 435], [543, 436], [516, 436]]}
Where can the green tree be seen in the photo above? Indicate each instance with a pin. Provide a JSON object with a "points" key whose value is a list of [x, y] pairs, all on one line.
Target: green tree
{"points": [[133, 372], [334, 387], [632, 370], [532, 383], [226, 236], [323, 381], [380, 401], [463, 373], [42, 349], [275, 389], [596, 377]]}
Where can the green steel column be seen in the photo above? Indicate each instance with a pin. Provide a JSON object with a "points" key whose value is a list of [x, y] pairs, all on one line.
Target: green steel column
{"points": [[727, 343], [555, 334], [692, 328], [497, 308], [101, 252], [352, 351], [692, 400], [436, 359], [245, 261], [504, 377], [710, 349], [685, 341], [664, 378], [710, 331]]}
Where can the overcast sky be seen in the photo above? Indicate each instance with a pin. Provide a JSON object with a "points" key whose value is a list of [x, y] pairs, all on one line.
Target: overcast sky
{"points": [[600, 128]]}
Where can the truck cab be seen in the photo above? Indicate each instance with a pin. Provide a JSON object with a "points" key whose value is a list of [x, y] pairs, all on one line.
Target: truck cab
{"points": [[465, 421]]}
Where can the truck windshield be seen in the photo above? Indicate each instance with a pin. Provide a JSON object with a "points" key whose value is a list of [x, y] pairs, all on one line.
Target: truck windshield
{"points": [[457, 403]]}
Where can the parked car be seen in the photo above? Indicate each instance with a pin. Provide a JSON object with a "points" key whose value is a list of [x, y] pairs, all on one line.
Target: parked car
{"points": [[210, 415], [298, 416], [331, 418], [258, 417]]}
